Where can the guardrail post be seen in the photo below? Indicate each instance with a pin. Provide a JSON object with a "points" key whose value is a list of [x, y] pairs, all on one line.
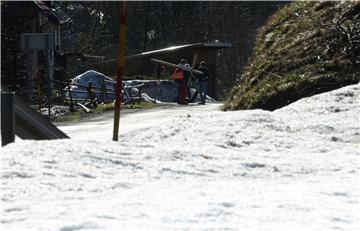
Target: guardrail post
{"points": [[7, 118]]}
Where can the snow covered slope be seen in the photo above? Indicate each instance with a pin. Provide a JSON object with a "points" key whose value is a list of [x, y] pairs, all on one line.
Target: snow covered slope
{"points": [[296, 168]]}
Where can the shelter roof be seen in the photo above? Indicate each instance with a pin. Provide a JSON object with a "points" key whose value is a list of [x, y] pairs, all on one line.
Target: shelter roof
{"points": [[204, 45], [55, 16]]}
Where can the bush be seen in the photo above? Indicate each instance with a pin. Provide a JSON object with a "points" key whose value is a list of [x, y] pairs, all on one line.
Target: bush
{"points": [[304, 49]]}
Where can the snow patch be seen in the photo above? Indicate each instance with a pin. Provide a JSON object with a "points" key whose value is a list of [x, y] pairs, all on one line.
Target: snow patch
{"points": [[296, 168]]}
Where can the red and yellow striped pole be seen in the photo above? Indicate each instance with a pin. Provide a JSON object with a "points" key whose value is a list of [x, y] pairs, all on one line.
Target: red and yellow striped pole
{"points": [[120, 70]]}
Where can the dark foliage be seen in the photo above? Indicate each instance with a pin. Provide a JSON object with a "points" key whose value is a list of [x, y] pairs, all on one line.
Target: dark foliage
{"points": [[151, 25], [154, 25]]}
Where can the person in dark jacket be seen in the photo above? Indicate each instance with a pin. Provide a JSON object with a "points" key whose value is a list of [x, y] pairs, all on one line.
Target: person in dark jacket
{"points": [[203, 82]]}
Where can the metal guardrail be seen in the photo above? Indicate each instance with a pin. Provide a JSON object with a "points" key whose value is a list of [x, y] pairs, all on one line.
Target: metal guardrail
{"points": [[19, 118], [32, 125], [7, 118]]}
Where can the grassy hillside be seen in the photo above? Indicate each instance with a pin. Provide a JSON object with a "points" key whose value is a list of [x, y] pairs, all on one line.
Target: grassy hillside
{"points": [[304, 49]]}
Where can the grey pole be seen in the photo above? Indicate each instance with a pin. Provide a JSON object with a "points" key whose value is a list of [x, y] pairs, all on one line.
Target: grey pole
{"points": [[7, 118]]}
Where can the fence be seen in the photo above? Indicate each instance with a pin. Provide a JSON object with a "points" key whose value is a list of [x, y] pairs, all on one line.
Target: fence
{"points": [[67, 93]]}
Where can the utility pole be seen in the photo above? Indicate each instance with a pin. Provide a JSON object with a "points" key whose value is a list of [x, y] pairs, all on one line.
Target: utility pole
{"points": [[120, 70]]}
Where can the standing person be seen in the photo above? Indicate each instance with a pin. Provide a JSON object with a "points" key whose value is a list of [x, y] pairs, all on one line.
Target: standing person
{"points": [[193, 84], [203, 82], [187, 77], [178, 77]]}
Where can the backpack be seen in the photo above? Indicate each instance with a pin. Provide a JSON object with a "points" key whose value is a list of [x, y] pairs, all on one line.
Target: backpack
{"points": [[178, 74]]}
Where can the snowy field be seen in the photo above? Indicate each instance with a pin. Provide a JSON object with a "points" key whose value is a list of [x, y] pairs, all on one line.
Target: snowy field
{"points": [[296, 168]]}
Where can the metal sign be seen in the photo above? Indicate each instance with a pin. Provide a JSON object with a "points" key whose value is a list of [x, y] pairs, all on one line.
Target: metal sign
{"points": [[37, 41]]}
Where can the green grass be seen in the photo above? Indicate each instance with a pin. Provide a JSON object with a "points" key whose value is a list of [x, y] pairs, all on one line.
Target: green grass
{"points": [[73, 116], [141, 105], [80, 114]]}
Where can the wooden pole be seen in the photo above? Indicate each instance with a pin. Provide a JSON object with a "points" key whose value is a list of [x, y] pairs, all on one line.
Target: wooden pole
{"points": [[70, 96], [120, 70], [38, 90], [189, 69], [194, 60]]}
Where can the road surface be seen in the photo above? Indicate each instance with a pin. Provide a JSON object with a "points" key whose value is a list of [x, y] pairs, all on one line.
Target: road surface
{"points": [[101, 127]]}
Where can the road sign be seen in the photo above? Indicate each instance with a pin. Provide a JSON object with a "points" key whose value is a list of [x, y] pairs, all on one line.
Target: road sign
{"points": [[37, 41]]}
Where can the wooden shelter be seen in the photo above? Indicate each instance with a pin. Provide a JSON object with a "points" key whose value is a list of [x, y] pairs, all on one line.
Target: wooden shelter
{"points": [[140, 64]]}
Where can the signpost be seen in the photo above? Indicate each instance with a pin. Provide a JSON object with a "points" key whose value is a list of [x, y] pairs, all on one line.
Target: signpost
{"points": [[41, 41]]}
